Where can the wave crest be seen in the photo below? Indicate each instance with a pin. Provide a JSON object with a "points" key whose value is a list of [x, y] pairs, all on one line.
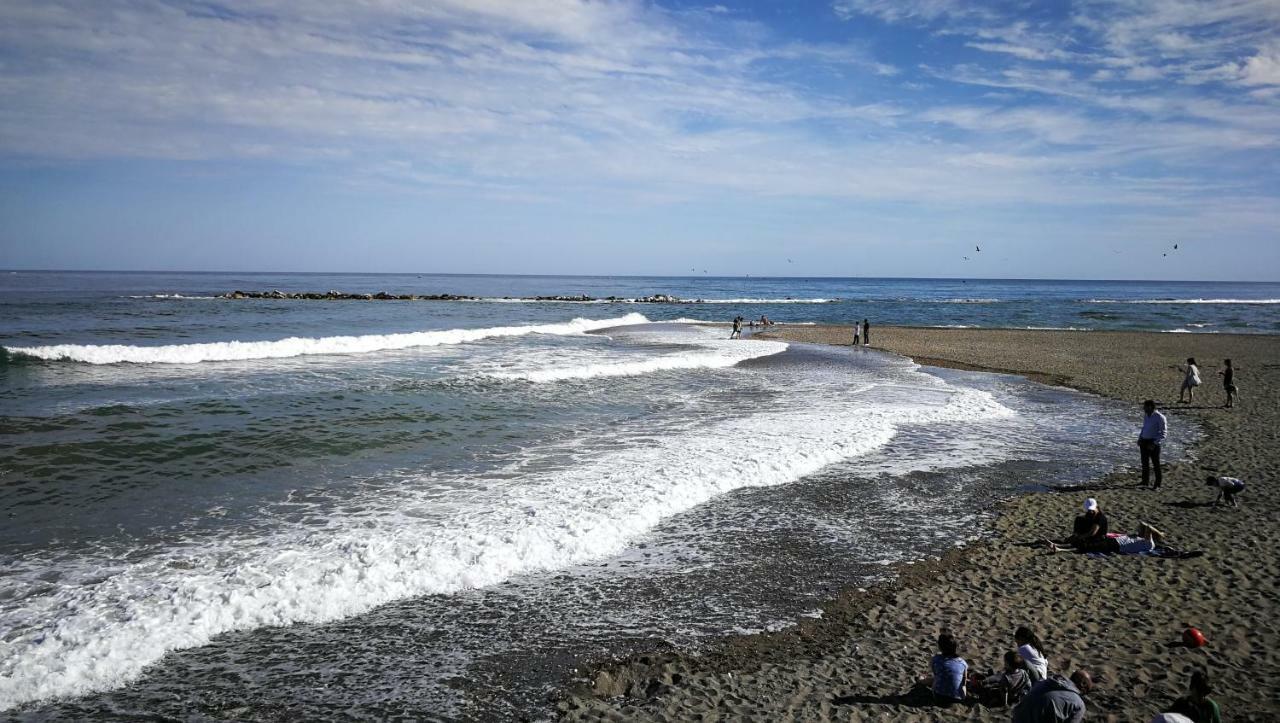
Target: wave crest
{"points": [[298, 346]]}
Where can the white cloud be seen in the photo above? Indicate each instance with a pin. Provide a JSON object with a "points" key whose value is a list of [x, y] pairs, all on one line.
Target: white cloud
{"points": [[544, 98]]}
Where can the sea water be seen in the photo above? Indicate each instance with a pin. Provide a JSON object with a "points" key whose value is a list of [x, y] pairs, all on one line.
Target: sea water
{"points": [[310, 509]]}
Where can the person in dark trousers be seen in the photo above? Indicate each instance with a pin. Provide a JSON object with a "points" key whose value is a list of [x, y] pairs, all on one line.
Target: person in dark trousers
{"points": [[737, 328], [866, 332], [857, 337], [1228, 382], [1087, 533], [1154, 428], [1055, 700]]}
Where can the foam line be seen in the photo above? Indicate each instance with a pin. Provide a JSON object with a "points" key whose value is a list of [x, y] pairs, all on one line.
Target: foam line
{"points": [[1182, 301], [716, 356], [300, 346], [103, 630]]}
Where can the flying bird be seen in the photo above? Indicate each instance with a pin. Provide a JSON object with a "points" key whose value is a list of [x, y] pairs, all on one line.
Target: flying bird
{"points": [[966, 258], [977, 248], [1175, 247]]}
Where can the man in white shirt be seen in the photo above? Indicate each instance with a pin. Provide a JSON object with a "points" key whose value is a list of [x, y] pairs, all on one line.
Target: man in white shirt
{"points": [[1154, 428]]}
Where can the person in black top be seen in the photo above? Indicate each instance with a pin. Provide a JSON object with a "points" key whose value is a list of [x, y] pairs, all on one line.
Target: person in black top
{"points": [[866, 332], [1229, 382], [1089, 531]]}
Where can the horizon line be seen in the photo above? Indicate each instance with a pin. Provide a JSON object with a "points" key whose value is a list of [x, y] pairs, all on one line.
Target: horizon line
{"points": [[628, 276]]}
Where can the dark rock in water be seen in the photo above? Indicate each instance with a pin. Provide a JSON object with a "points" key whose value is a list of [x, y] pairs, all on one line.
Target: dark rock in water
{"points": [[334, 295]]}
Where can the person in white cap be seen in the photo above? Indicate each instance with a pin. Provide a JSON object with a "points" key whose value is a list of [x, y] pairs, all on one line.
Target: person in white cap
{"points": [[1090, 529]]}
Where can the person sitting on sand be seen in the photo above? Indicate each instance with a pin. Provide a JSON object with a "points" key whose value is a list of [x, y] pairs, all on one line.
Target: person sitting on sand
{"points": [[1228, 373], [1055, 700], [1228, 488], [1150, 439], [1146, 540], [950, 671], [1190, 381], [1088, 531], [1196, 704], [1031, 650], [1006, 687]]}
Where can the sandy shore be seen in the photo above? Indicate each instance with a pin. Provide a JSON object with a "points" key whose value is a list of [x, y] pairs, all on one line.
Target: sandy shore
{"points": [[1119, 617]]}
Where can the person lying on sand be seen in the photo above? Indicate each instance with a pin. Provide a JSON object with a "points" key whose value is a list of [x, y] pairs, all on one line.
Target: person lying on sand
{"points": [[1144, 541], [1228, 488], [1055, 700]]}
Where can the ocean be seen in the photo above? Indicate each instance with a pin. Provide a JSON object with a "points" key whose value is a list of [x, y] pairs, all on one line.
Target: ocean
{"points": [[266, 508]]}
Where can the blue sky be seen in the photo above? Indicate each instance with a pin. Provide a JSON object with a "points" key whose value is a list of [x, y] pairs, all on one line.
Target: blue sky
{"points": [[856, 137]]}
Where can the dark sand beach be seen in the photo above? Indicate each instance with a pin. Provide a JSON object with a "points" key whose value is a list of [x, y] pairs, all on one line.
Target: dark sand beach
{"points": [[1119, 617]]}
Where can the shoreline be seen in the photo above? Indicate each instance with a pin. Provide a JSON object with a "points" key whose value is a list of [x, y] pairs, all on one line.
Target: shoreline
{"points": [[870, 644]]}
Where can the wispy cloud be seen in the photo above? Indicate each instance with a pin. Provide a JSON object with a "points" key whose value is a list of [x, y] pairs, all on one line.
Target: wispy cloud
{"points": [[537, 98]]}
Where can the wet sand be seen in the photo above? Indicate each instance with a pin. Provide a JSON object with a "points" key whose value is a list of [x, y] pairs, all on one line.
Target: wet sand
{"points": [[1119, 617]]}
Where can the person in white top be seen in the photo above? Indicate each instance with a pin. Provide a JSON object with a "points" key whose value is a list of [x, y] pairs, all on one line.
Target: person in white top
{"points": [[1032, 652], [1190, 381]]}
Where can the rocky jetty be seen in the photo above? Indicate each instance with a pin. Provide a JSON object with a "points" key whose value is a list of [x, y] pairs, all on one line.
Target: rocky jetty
{"points": [[341, 296], [384, 296]]}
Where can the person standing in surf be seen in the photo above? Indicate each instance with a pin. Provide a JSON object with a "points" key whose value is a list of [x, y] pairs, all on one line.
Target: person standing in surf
{"points": [[866, 332], [857, 334], [737, 328], [1154, 429]]}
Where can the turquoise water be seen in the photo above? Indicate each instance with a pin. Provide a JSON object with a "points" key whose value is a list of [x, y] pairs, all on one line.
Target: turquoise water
{"points": [[435, 509]]}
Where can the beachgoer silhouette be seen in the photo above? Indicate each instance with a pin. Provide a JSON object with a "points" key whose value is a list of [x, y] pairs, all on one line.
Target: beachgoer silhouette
{"points": [[1190, 381], [1229, 382], [1154, 429], [737, 328], [866, 332]]}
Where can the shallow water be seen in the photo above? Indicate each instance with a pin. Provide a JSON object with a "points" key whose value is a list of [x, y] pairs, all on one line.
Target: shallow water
{"points": [[443, 527]]}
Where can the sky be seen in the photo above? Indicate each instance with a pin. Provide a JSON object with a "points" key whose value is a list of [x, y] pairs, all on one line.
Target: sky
{"points": [[823, 138]]}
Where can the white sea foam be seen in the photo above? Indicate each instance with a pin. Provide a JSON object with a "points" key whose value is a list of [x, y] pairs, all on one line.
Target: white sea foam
{"points": [[1182, 301], [299, 346], [711, 355], [512, 300], [123, 615]]}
